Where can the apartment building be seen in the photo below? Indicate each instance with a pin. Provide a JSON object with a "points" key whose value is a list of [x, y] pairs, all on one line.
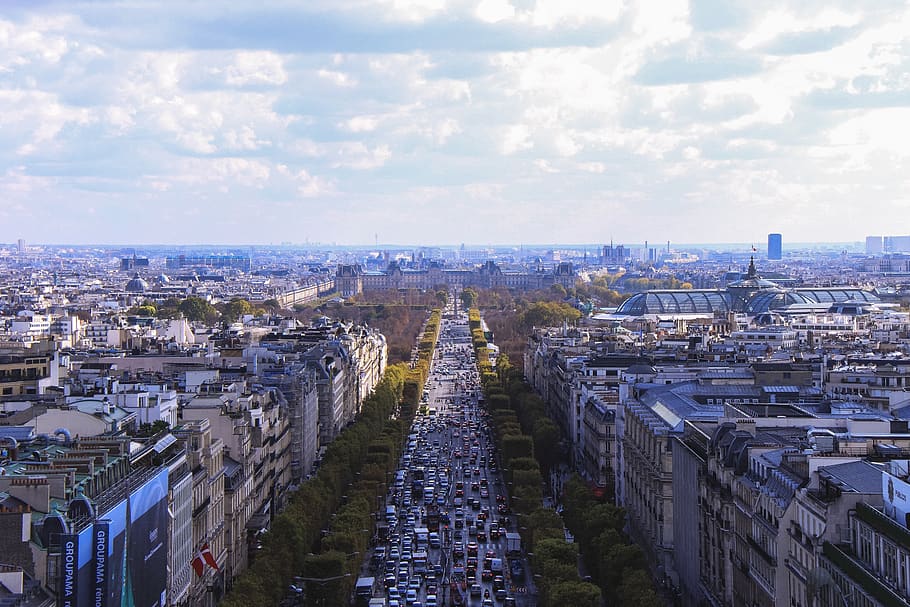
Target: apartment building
{"points": [[205, 459], [880, 384], [28, 373]]}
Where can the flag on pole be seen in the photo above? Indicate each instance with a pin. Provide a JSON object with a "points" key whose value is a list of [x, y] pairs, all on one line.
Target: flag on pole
{"points": [[198, 563], [209, 557], [204, 557]]}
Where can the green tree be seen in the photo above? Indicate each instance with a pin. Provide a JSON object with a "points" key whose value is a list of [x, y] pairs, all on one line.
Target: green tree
{"points": [[442, 297], [195, 308], [548, 314], [636, 589], [468, 298], [516, 446], [577, 594], [235, 309], [546, 443], [144, 310]]}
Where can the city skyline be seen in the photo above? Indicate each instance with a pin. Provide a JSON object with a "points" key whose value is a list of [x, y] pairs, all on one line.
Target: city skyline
{"points": [[486, 122]]}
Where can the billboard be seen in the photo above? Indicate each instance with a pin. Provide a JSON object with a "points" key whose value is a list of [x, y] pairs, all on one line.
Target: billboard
{"points": [[101, 554], [69, 570], [121, 559], [76, 569], [896, 495], [146, 577]]}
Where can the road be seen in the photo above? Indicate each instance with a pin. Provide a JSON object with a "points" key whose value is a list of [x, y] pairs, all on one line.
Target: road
{"points": [[448, 476]]}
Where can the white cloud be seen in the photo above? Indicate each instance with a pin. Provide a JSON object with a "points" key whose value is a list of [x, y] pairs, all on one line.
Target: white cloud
{"points": [[337, 78], [516, 138], [783, 21], [356, 155], [313, 187], [414, 10], [256, 68], [360, 124], [553, 13], [494, 11], [470, 105]]}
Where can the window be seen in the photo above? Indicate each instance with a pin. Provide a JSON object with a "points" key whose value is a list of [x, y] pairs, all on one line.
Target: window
{"points": [[865, 544], [889, 561]]}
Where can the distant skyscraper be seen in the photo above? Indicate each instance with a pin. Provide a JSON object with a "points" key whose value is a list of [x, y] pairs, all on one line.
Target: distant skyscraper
{"points": [[22, 246], [774, 246], [874, 245]]}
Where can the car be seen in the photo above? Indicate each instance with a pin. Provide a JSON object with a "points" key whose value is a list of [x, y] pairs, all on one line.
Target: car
{"points": [[516, 570], [431, 601], [487, 603], [476, 589], [500, 594], [393, 594], [411, 597]]}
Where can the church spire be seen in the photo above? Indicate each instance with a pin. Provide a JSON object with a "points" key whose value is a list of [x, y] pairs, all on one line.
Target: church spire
{"points": [[751, 273]]}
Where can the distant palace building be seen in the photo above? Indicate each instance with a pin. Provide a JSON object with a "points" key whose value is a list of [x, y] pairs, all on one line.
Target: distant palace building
{"points": [[752, 295], [352, 279]]}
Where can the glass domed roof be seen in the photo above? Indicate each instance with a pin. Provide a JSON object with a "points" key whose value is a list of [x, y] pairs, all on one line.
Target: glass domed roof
{"points": [[684, 301]]}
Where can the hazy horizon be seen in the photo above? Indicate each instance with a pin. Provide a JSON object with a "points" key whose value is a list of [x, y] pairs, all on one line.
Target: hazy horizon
{"points": [[722, 246]]}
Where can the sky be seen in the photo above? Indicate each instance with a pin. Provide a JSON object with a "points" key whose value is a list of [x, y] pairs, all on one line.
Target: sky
{"points": [[453, 121]]}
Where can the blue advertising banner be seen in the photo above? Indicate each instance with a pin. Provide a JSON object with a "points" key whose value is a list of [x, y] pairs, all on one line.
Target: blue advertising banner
{"points": [[69, 570], [147, 544], [101, 547], [121, 559], [76, 569]]}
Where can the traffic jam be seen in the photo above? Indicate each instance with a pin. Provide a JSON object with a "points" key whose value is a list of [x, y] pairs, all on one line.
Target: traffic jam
{"points": [[446, 537]]}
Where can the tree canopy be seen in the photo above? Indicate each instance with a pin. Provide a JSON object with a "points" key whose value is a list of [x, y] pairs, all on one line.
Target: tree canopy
{"points": [[196, 309], [548, 314]]}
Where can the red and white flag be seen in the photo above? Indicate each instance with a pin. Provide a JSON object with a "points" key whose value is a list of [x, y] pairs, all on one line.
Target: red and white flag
{"points": [[209, 557], [198, 563], [204, 557]]}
